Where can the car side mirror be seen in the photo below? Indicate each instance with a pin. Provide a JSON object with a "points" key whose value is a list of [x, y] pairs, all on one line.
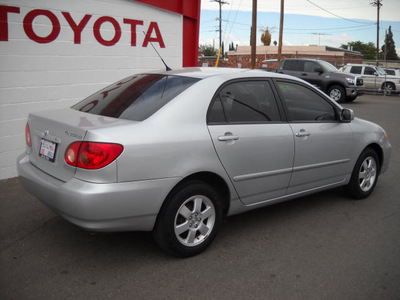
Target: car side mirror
{"points": [[376, 74], [346, 115]]}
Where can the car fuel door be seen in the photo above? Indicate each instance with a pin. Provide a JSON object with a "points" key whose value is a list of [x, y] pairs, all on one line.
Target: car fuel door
{"points": [[254, 146]]}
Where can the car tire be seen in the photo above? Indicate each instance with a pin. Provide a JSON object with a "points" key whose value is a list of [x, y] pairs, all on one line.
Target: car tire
{"points": [[388, 88], [365, 175], [337, 93], [350, 99], [189, 219]]}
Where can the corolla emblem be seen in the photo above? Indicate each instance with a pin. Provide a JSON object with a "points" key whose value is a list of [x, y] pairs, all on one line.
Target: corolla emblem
{"points": [[46, 132], [73, 134]]}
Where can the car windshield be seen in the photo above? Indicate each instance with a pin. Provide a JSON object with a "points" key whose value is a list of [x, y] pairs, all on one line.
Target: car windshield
{"points": [[328, 67], [380, 71], [135, 98]]}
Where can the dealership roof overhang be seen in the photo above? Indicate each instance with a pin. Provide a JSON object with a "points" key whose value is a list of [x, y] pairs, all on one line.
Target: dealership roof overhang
{"points": [[190, 10]]}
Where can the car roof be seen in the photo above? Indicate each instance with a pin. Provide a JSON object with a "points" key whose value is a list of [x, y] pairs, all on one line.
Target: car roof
{"points": [[303, 58], [227, 73]]}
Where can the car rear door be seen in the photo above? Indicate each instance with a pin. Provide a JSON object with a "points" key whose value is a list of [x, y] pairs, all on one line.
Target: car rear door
{"points": [[323, 145], [255, 147]]}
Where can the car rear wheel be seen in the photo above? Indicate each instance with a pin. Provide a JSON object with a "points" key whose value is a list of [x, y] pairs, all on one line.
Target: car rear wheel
{"points": [[388, 88], [365, 175], [189, 220], [337, 93]]}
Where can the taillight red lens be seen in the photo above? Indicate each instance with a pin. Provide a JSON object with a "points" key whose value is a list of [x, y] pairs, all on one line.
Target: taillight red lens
{"points": [[90, 155], [28, 137]]}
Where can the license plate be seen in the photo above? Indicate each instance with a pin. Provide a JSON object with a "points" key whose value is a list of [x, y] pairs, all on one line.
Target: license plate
{"points": [[48, 150]]}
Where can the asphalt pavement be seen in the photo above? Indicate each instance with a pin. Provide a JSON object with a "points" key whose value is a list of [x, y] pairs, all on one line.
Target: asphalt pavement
{"points": [[324, 246]]}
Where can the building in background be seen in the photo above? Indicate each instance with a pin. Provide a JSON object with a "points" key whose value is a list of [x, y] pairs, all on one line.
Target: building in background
{"points": [[266, 56], [55, 53]]}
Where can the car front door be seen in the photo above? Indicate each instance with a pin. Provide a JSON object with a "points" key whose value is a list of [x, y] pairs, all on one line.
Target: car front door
{"points": [[255, 147], [323, 145], [371, 79], [312, 76]]}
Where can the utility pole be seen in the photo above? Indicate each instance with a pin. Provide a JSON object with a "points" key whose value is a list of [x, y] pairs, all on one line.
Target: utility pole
{"points": [[253, 35], [377, 4], [281, 31], [221, 2]]}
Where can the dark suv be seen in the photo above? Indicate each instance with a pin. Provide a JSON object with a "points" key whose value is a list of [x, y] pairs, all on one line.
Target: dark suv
{"points": [[339, 86]]}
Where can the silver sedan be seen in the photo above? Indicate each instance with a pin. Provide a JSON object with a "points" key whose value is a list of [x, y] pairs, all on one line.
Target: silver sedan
{"points": [[175, 152]]}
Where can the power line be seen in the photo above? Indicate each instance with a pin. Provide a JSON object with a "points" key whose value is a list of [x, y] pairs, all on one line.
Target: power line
{"points": [[336, 14]]}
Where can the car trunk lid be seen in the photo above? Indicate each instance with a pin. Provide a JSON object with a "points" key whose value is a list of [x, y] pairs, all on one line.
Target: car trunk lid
{"points": [[53, 131]]}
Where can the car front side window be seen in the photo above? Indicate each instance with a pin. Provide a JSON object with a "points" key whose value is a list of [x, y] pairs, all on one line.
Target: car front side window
{"points": [[304, 104], [369, 71]]}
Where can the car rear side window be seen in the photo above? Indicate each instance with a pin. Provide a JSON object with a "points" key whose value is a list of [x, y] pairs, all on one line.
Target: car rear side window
{"points": [[244, 102], [305, 105], [135, 98], [294, 65], [356, 70]]}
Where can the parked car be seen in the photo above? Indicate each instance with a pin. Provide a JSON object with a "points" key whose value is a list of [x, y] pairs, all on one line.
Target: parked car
{"points": [[340, 87], [174, 152], [392, 72], [375, 78]]}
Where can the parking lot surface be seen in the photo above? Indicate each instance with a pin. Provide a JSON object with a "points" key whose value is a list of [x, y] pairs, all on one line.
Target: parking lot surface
{"points": [[324, 246]]}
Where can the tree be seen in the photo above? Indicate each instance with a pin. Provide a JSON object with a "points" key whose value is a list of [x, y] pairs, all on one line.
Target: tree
{"points": [[368, 50], [391, 53], [208, 50]]}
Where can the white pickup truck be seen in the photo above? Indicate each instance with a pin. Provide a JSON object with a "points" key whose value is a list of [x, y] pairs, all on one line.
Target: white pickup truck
{"points": [[375, 78]]}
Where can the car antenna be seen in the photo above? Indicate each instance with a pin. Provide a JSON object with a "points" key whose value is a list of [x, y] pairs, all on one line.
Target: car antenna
{"points": [[166, 66]]}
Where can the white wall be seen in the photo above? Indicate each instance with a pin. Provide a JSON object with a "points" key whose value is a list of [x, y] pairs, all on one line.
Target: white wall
{"points": [[37, 76]]}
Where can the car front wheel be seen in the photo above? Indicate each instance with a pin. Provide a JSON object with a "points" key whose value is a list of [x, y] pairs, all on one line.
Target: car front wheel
{"points": [[365, 175], [337, 93], [189, 220]]}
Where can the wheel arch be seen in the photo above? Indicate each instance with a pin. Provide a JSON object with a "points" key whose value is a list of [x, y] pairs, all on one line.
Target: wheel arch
{"points": [[378, 151], [386, 82], [333, 83], [212, 179]]}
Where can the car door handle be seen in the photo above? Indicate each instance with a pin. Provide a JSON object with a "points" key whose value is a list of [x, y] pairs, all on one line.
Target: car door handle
{"points": [[302, 133], [304, 74], [228, 137]]}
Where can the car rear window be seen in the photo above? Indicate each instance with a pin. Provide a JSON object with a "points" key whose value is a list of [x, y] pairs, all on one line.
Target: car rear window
{"points": [[135, 98]]}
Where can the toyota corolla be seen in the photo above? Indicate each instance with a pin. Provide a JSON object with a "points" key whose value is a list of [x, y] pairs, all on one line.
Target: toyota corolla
{"points": [[175, 152]]}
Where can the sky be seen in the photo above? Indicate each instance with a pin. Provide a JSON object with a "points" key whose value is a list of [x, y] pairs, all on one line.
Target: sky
{"points": [[306, 22]]}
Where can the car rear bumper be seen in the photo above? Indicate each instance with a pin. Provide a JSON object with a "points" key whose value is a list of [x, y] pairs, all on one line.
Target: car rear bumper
{"points": [[127, 206]]}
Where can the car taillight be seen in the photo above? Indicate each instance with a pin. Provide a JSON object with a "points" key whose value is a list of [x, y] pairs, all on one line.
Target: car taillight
{"points": [[28, 137], [90, 155]]}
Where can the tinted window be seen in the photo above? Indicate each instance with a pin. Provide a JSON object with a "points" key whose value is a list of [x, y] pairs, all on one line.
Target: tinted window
{"points": [[244, 102], [356, 70], [390, 72], [310, 66], [369, 71], [135, 98], [304, 105], [294, 65]]}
